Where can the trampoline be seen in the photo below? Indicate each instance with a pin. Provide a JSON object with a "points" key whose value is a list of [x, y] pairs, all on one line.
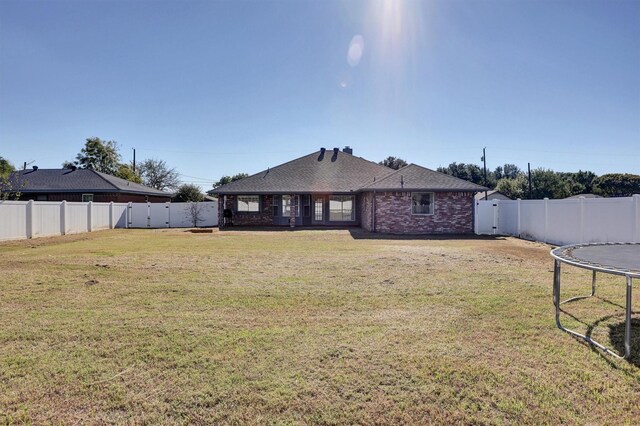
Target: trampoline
{"points": [[610, 258]]}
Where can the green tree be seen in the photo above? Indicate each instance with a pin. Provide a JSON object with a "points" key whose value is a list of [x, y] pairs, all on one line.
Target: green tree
{"points": [[584, 179], [617, 185], [513, 188], [101, 156], [471, 172], [511, 171], [546, 183], [188, 192], [6, 168], [508, 171], [458, 170], [156, 174], [393, 162], [228, 179], [125, 171]]}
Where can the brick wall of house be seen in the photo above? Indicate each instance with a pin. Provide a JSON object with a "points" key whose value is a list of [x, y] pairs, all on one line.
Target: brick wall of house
{"points": [[262, 218], [453, 214], [365, 201]]}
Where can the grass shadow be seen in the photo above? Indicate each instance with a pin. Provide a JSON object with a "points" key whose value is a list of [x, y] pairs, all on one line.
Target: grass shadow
{"points": [[616, 334], [361, 234]]}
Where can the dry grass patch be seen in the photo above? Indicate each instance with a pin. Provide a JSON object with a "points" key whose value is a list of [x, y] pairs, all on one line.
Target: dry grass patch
{"points": [[305, 327]]}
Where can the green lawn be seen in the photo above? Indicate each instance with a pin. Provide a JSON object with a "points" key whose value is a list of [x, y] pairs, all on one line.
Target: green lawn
{"points": [[304, 327]]}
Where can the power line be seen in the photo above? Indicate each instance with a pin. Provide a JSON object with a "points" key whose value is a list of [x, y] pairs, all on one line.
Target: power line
{"points": [[213, 153]]}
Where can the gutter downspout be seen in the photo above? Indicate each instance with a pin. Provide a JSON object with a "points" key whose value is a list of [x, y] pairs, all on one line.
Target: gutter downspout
{"points": [[373, 213]]}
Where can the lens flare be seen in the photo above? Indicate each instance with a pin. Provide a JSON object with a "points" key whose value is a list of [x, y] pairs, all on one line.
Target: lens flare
{"points": [[356, 49]]}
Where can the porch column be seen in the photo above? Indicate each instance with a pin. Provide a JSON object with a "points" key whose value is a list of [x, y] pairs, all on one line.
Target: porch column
{"points": [[292, 212], [222, 204]]}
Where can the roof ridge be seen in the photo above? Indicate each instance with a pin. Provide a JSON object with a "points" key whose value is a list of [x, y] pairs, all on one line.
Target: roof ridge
{"points": [[318, 152], [100, 175], [393, 172]]}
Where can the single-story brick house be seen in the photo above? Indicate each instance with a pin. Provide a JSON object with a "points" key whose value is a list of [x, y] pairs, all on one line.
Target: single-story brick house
{"points": [[80, 185], [336, 188]]}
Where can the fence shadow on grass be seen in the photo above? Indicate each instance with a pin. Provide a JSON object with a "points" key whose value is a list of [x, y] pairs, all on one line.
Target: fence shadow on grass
{"points": [[361, 234]]}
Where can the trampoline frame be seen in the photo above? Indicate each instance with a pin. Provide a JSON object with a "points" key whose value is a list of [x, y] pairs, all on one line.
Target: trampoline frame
{"points": [[559, 257]]}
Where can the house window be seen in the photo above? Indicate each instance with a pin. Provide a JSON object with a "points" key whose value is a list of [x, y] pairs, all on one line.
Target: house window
{"points": [[319, 209], [341, 208], [41, 197], [248, 203], [422, 203], [286, 205], [87, 197]]}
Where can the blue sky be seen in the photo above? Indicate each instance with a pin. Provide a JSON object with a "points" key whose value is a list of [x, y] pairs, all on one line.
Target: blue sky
{"points": [[217, 88]]}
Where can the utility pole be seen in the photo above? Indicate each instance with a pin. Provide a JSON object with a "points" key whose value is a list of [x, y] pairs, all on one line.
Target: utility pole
{"points": [[484, 159], [134, 160], [529, 172]]}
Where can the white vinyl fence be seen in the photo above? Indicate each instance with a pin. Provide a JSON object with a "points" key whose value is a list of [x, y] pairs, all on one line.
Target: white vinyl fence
{"points": [[569, 221], [172, 215], [31, 219]]}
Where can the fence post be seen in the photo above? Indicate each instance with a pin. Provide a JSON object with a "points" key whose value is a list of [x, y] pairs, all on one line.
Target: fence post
{"points": [[90, 216], [636, 216], [546, 218], [29, 217], [111, 215], [518, 218], [129, 207], [496, 212], [148, 214], [581, 219], [167, 205], [63, 217]]}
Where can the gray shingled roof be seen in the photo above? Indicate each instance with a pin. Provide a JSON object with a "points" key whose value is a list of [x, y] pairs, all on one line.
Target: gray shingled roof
{"points": [[343, 173], [80, 180], [313, 173], [414, 177]]}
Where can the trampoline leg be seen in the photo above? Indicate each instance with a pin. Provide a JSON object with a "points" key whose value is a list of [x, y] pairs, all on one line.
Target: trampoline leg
{"points": [[556, 291], [589, 340], [627, 327], [593, 284]]}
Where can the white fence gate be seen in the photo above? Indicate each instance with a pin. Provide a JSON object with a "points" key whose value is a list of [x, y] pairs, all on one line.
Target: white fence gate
{"points": [[568, 221], [31, 219], [172, 215]]}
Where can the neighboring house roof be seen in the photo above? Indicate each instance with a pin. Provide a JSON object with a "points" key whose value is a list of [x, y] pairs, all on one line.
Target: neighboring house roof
{"points": [[414, 177], [492, 195], [316, 172], [341, 172], [79, 180], [583, 195]]}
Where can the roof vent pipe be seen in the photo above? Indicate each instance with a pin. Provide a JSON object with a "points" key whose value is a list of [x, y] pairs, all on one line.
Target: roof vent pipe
{"points": [[401, 181], [335, 154], [35, 168], [348, 150], [321, 156]]}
